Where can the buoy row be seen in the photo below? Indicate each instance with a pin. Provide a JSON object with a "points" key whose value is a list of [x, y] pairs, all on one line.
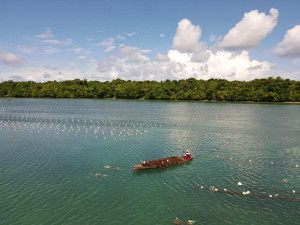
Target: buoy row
{"points": [[260, 162], [112, 168], [99, 129], [267, 189], [247, 193], [99, 175], [101, 122]]}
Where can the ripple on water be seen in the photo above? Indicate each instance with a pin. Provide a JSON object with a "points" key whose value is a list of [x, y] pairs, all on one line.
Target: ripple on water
{"points": [[50, 149]]}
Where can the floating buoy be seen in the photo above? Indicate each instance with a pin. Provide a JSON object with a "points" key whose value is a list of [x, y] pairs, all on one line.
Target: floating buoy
{"points": [[294, 192], [240, 183]]}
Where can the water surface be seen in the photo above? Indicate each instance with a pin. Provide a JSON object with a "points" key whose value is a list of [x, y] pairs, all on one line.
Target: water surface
{"points": [[51, 150]]}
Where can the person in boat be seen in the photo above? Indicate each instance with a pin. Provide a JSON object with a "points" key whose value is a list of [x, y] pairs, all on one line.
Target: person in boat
{"points": [[186, 155]]}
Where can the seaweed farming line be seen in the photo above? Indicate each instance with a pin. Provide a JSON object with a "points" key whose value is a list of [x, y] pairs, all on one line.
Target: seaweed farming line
{"points": [[102, 129], [270, 190], [101, 122], [261, 162], [247, 193]]}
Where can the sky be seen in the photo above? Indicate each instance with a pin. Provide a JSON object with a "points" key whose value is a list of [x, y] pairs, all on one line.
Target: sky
{"points": [[149, 40]]}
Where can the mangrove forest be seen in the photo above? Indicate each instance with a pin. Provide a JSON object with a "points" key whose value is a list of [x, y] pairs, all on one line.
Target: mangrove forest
{"points": [[258, 90]]}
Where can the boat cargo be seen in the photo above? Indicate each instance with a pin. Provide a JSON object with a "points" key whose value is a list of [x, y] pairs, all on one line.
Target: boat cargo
{"points": [[164, 162]]}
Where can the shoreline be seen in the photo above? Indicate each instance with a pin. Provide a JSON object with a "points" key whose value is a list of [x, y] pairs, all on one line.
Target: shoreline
{"points": [[8, 99]]}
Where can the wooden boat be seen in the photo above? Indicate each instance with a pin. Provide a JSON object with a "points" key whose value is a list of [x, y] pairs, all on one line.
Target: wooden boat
{"points": [[164, 162]]}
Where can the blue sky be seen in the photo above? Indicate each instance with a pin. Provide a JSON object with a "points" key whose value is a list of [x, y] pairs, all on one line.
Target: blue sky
{"points": [[149, 40]]}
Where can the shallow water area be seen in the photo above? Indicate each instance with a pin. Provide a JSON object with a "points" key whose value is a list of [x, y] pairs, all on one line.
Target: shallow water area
{"points": [[54, 155]]}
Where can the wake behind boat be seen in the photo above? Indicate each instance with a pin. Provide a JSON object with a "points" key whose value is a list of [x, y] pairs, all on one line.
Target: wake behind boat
{"points": [[164, 162]]}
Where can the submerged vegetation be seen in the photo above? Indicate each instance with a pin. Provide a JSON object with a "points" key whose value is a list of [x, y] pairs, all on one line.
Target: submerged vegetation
{"points": [[260, 90]]}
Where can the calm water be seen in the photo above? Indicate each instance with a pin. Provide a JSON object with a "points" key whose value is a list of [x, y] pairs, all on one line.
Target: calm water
{"points": [[51, 150]]}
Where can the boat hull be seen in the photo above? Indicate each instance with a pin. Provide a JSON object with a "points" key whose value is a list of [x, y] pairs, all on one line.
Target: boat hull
{"points": [[161, 163]]}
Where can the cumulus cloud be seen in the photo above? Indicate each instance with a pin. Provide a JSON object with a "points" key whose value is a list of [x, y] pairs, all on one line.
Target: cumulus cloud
{"points": [[235, 66], [290, 45], [162, 58], [47, 34], [10, 59], [250, 30], [131, 63], [187, 38], [132, 55], [188, 58]]}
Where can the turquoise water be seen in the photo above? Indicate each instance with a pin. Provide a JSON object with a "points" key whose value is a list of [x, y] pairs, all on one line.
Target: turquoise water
{"points": [[51, 151]]}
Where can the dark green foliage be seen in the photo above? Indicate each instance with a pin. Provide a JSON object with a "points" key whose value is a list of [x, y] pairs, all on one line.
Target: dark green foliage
{"points": [[270, 90]]}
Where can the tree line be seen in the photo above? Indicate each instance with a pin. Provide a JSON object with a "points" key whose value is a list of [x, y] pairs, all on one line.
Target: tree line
{"points": [[260, 90]]}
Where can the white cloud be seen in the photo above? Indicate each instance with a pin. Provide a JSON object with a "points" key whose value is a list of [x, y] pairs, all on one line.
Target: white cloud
{"points": [[162, 35], [130, 34], [179, 57], [10, 59], [234, 66], [41, 74], [133, 55], [187, 36], [214, 38], [290, 45], [189, 57], [47, 34], [57, 42], [120, 37], [109, 48], [250, 30], [162, 58], [106, 42], [50, 67], [77, 50], [131, 63], [187, 40]]}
